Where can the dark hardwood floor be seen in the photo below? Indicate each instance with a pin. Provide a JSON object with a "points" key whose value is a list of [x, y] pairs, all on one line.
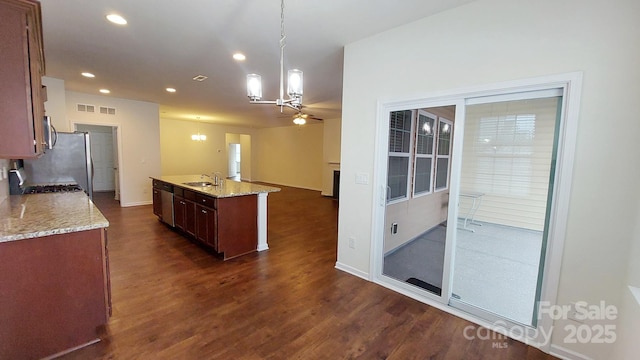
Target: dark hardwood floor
{"points": [[174, 300]]}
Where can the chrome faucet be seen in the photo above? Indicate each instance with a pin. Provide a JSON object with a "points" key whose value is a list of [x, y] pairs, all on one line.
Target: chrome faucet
{"points": [[217, 178]]}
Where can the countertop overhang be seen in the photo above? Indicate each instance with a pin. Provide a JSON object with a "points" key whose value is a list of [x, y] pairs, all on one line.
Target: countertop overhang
{"points": [[229, 188], [37, 215]]}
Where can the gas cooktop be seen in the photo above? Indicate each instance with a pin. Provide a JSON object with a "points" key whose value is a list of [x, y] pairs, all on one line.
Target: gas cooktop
{"points": [[41, 189]]}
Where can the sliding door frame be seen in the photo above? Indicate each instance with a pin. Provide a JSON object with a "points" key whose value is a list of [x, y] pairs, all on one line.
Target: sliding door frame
{"points": [[570, 85]]}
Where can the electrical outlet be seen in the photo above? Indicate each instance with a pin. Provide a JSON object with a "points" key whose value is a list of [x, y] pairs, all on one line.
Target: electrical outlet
{"points": [[572, 314], [352, 242]]}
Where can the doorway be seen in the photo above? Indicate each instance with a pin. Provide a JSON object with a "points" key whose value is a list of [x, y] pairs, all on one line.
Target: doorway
{"points": [[418, 196], [234, 160], [526, 162], [506, 189], [104, 153]]}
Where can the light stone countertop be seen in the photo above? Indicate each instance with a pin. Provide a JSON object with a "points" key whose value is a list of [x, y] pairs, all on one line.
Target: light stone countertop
{"points": [[229, 188], [36, 215]]}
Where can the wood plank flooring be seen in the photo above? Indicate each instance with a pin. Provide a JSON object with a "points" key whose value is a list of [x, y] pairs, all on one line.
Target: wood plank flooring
{"points": [[174, 300]]}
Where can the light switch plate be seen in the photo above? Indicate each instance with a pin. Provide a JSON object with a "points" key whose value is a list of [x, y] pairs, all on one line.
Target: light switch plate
{"points": [[4, 173], [362, 178]]}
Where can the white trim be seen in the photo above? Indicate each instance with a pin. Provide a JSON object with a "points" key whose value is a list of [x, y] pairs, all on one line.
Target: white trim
{"points": [[526, 95], [262, 222], [564, 353], [571, 84], [353, 271], [136, 203]]}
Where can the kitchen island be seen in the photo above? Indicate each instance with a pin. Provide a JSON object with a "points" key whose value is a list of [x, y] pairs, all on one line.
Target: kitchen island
{"points": [[230, 218], [54, 274]]}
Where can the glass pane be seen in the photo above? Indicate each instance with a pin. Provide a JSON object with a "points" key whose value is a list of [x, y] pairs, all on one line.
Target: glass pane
{"points": [[424, 141], [507, 155], [422, 175], [415, 226], [444, 138], [397, 177], [442, 173], [400, 131]]}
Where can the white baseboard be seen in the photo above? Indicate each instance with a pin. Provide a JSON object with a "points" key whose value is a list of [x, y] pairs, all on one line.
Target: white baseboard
{"points": [[566, 354], [138, 203], [352, 271]]}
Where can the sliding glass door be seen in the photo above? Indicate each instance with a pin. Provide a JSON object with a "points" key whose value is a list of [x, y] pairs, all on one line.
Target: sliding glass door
{"points": [[506, 185], [473, 200], [417, 201]]}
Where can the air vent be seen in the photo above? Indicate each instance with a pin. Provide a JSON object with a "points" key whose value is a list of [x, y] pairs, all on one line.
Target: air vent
{"points": [[85, 108], [200, 78], [107, 110]]}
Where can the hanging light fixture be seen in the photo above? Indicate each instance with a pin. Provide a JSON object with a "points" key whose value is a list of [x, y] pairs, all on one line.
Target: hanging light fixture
{"points": [[294, 83], [198, 136]]}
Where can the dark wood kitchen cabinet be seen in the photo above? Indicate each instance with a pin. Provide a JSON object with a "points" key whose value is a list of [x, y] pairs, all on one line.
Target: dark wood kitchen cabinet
{"points": [[184, 209], [21, 93], [157, 202], [55, 293], [207, 226], [227, 225]]}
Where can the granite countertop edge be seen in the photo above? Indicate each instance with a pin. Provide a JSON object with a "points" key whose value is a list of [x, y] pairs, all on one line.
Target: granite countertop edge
{"points": [[58, 231], [39, 215], [230, 188]]}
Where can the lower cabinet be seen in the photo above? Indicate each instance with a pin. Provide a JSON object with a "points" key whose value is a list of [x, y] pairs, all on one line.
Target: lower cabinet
{"points": [[228, 225], [207, 226], [55, 292], [184, 213], [157, 202]]}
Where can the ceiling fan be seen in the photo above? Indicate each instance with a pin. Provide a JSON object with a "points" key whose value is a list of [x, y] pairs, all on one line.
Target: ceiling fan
{"points": [[300, 118]]}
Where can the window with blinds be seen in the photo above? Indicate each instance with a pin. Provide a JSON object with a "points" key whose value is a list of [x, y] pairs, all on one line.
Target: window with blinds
{"points": [[507, 156], [425, 143], [419, 154], [445, 128], [400, 124]]}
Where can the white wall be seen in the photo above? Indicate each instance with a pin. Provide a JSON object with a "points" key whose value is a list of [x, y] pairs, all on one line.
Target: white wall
{"points": [[139, 141], [490, 41], [56, 104], [246, 163], [627, 344], [290, 156], [183, 156]]}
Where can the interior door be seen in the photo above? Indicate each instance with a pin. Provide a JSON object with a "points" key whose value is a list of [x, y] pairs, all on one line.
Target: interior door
{"points": [[102, 154]]}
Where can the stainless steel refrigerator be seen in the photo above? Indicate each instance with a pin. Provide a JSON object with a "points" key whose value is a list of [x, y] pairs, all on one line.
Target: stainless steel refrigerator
{"points": [[69, 162]]}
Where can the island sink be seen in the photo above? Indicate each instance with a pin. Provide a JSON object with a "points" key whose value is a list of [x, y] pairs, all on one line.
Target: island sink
{"points": [[199, 183]]}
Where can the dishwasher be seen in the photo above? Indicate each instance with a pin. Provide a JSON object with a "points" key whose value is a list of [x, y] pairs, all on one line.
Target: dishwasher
{"points": [[166, 196]]}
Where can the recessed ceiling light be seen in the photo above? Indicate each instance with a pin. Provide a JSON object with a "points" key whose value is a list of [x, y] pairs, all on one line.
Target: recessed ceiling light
{"points": [[117, 19], [171, 90], [88, 74], [105, 91], [239, 56]]}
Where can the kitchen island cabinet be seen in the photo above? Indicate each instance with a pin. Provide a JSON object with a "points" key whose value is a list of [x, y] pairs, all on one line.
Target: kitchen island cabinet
{"points": [[54, 271], [229, 219], [184, 209]]}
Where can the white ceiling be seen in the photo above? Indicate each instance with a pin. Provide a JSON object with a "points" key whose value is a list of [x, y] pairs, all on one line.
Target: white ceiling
{"points": [[167, 42]]}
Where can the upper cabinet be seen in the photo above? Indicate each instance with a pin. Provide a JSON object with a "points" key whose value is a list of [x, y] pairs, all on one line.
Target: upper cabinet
{"points": [[21, 69]]}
